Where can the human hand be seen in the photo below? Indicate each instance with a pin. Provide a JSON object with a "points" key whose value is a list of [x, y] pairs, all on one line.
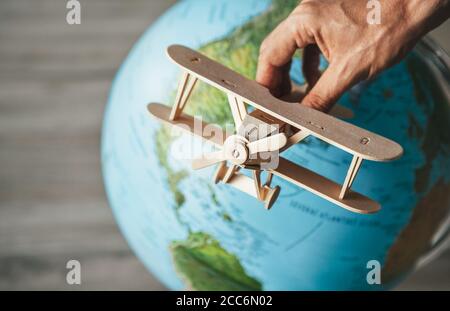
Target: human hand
{"points": [[355, 49]]}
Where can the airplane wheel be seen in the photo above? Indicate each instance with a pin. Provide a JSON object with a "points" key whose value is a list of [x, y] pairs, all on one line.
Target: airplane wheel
{"points": [[271, 197], [220, 172]]}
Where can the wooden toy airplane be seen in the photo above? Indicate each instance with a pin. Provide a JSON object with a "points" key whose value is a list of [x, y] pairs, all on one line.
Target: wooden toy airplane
{"points": [[285, 124]]}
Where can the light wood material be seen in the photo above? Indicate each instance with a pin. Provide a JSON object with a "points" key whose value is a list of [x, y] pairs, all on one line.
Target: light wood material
{"points": [[268, 144], [239, 151], [185, 88], [355, 172], [220, 172], [294, 139], [351, 174], [271, 195], [248, 185], [324, 187], [254, 138], [238, 109], [257, 183], [348, 137], [230, 172], [243, 183], [268, 179], [299, 91], [288, 170], [342, 112], [271, 123], [189, 124]]}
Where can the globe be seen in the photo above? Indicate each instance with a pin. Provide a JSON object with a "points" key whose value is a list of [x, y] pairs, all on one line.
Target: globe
{"points": [[193, 234]]}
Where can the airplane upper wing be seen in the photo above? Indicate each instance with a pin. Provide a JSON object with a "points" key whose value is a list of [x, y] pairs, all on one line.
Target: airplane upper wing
{"points": [[351, 138]]}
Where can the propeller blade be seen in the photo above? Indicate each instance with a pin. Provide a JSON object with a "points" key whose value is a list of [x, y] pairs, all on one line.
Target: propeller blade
{"points": [[208, 160], [270, 143]]}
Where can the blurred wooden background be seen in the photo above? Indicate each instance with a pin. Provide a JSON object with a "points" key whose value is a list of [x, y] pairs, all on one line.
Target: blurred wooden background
{"points": [[54, 83]]}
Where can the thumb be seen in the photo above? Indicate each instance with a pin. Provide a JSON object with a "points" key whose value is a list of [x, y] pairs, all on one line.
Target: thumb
{"points": [[328, 88]]}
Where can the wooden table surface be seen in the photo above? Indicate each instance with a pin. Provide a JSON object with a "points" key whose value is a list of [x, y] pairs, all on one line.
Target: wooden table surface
{"points": [[54, 83]]}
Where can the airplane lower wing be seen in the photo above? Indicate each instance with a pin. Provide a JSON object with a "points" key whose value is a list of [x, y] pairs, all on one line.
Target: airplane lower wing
{"points": [[324, 187], [195, 126]]}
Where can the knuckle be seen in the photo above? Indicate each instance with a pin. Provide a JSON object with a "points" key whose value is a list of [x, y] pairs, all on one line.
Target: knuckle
{"points": [[293, 23], [307, 9], [293, 28], [302, 23]]}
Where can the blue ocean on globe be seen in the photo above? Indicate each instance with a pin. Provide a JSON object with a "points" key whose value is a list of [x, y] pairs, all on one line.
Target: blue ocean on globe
{"points": [[193, 234]]}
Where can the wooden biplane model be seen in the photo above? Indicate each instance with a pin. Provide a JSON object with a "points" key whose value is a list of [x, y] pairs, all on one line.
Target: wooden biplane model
{"points": [[285, 124]]}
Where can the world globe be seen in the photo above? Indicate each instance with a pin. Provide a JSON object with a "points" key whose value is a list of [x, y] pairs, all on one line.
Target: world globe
{"points": [[193, 234]]}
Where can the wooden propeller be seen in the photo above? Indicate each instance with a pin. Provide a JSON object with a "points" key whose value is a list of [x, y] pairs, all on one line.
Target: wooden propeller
{"points": [[238, 150]]}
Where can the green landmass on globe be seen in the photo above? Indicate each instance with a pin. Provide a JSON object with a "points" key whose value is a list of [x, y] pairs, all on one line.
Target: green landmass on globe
{"points": [[239, 51], [207, 266]]}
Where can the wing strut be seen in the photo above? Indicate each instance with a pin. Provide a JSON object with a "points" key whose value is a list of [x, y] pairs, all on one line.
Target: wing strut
{"points": [[185, 87], [238, 109], [351, 174]]}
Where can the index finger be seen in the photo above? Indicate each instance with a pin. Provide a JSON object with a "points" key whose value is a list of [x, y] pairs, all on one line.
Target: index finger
{"points": [[277, 50]]}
